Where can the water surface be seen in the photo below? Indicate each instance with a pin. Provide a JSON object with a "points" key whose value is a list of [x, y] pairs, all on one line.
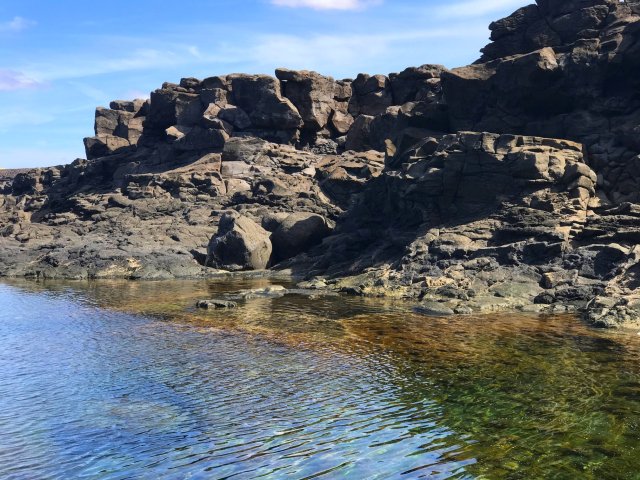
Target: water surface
{"points": [[127, 380]]}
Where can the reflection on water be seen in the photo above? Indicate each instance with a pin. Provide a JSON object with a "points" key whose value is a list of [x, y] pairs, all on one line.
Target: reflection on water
{"points": [[127, 380]]}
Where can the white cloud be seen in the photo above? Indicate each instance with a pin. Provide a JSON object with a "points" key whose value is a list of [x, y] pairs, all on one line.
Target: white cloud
{"points": [[12, 80], [325, 4], [18, 24], [346, 52], [474, 8], [83, 65]]}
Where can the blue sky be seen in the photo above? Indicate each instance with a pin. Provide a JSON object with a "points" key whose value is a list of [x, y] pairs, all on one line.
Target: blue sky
{"points": [[62, 59]]}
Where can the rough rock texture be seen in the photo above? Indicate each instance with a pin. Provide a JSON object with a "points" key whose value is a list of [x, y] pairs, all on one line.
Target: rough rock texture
{"points": [[151, 213], [561, 69], [239, 244], [297, 233], [378, 185], [484, 222]]}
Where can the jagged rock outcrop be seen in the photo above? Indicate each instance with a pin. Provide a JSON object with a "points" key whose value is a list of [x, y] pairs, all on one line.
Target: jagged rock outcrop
{"points": [[299, 108], [378, 185], [482, 221], [151, 213], [561, 69]]}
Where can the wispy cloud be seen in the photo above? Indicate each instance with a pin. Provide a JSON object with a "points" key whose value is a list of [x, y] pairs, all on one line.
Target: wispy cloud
{"points": [[89, 91], [21, 116], [86, 64], [326, 4], [17, 24], [13, 80], [340, 52], [474, 8]]}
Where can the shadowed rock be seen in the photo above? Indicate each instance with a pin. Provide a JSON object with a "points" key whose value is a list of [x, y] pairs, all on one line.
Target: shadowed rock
{"points": [[297, 233]]}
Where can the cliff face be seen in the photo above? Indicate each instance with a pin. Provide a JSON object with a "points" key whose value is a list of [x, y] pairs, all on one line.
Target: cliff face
{"points": [[563, 70], [376, 185]]}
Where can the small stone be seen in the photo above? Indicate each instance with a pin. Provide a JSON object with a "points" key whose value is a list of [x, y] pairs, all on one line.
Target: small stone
{"points": [[434, 309], [215, 304]]}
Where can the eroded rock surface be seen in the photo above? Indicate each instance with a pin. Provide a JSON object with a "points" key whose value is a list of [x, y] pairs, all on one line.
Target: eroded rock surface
{"points": [[484, 222]]}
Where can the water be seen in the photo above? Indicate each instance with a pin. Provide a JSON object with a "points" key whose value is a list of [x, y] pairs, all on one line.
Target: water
{"points": [[128, 381]]}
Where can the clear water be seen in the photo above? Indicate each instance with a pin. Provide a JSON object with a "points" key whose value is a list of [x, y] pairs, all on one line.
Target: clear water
{"points": [[128, 381]]}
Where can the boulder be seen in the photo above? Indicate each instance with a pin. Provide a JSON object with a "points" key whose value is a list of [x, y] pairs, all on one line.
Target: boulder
{"points": [[215, 304], [341, 122], [372, 95], [260, 97], [239, 244], [311, 93], [297, 233]]}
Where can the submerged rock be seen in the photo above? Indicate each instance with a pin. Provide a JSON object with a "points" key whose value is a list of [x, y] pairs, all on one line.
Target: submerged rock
{"points": [[434, 309], [216, 304]]}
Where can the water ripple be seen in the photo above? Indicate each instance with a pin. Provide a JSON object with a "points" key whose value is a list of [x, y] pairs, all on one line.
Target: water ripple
{"points": [[92, 394]]}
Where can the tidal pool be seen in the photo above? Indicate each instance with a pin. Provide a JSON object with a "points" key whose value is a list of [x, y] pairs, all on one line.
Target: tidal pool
{"points": [[121, 380]]}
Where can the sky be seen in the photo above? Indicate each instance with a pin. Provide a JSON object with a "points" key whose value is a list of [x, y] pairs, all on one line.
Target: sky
{"points": [[59, 60]]}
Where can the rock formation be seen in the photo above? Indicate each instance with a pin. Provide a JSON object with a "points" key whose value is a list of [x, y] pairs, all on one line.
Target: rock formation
{"points": [[378, 185]]}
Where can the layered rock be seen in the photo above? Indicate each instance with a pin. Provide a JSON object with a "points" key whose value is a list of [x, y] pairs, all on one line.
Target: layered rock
{"points": [[561, 69], [482, 221], [152, 213], [117, 128], [300, 108]]}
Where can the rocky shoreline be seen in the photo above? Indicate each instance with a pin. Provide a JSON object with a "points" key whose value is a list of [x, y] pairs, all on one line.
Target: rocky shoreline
{"points": [[509, 184]]}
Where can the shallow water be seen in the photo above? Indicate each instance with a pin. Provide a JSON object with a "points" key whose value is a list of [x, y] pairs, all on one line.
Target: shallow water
{"points": [[126, 380]]}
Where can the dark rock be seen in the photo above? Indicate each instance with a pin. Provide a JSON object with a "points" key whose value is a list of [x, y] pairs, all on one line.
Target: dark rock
{"points": [[132, 106], [416, 84], [372, 95], [239, 244], [434, 309], [104, 145], [169, 107], [297, 233], [359, 137], [311, 93], [259, 96], [216, 304]]}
